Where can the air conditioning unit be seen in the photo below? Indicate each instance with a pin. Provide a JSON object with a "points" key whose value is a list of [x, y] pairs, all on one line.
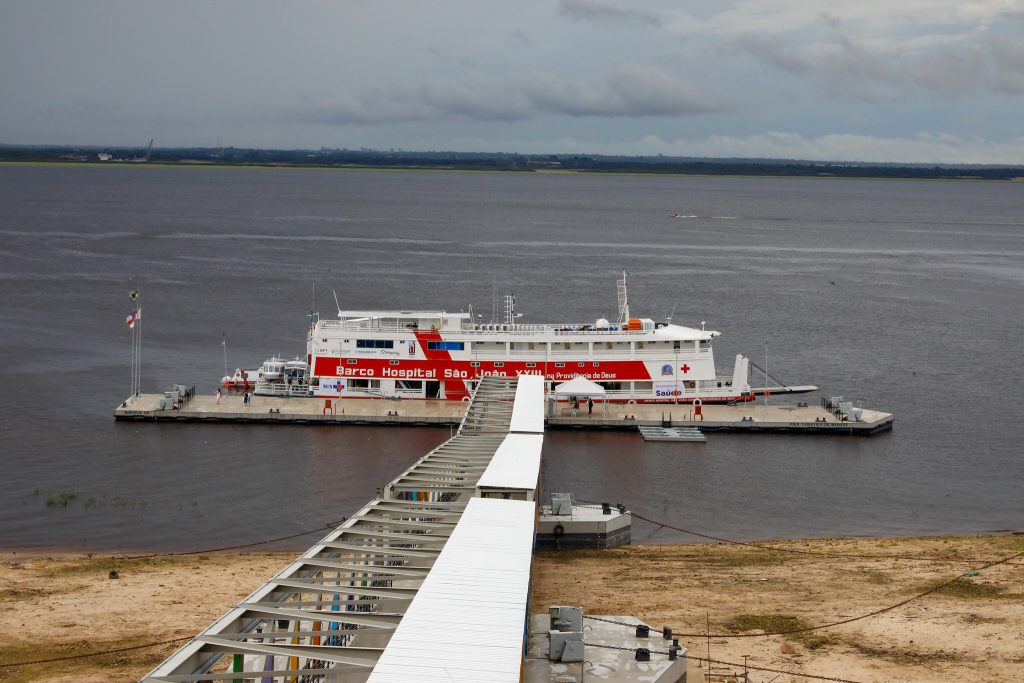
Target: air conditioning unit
{"points": [[561, 504]]}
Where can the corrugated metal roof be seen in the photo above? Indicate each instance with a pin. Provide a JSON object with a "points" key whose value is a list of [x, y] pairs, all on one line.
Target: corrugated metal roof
{"points": [[516, 463], [528, 411], [466, 623]]}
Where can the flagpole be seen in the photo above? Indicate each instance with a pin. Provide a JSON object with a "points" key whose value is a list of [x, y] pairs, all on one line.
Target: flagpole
{"points": [[131, 393], [135, 321], [138, 352]]}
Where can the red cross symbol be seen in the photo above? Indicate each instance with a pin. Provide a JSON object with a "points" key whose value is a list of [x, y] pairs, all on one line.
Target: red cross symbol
{"points": [[685, 368]]}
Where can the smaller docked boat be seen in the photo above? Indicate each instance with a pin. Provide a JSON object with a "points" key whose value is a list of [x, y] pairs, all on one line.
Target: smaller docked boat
{"points": [[278, 377], [272, 369], [241, 380]]}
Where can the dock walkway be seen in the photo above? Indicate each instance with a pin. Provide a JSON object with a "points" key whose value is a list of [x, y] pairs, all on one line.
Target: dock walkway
{"points": [[745, 417]]}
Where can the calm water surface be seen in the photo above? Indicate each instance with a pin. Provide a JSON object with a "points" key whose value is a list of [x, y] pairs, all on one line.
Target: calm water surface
{"points": [[906, 295]]}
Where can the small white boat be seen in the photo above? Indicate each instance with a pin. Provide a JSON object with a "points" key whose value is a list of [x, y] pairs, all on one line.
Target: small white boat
{"points": [[272, 369], [241, 379], [283, 378]]}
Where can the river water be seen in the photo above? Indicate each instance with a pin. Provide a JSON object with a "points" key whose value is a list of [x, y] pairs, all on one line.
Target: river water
{"points": [[904, 294]]}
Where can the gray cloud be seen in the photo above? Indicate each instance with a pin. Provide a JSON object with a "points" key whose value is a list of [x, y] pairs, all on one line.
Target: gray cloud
{"points": [[608, 13], [629, 91], [847, 69]]}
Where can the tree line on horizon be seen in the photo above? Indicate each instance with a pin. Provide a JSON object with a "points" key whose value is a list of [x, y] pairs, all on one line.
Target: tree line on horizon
{"points": [[498, 161]]}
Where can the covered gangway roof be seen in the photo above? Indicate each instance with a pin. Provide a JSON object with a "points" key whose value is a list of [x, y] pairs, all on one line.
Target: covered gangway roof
{"points": [[528, 409], [332, 613], [516, 463], [465, 624]]}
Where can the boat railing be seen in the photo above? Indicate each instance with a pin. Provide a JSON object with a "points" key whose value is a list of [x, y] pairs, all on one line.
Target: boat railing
{"points": [[264, 388], [495, 329]]}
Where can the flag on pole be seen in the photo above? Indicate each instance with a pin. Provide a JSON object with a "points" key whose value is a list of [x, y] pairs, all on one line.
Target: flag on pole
{"points": [[134, 317]]}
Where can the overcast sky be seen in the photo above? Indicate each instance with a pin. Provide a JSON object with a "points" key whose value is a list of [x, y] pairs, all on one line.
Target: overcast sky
{"points": [[861, 80]]}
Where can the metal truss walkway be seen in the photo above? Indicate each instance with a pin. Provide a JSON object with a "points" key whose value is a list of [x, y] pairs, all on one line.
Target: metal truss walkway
{"points": [[331, 613]]}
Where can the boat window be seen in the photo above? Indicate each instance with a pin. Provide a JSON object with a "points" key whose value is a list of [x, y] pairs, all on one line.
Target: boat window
{"points": [[350, 361], [639, 345], [559, 365], [675, 345], [393, 362], [445, 346], [607, 345], [375, 344], [566, 346], [475, 364], [531, 365], [499, 364], [582, 365]]}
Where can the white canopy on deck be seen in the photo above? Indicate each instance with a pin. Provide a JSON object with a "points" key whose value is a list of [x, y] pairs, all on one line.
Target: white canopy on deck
{"points": [[576, 388], [579, 386]]}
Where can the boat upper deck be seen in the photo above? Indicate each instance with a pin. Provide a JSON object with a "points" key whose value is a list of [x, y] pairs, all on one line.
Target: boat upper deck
{"points": [[461, 323]]}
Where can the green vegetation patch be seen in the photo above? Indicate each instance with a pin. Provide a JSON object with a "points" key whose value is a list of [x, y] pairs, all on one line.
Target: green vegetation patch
{"points": [[905, 656], [769, 623], [103, 565], [744, 558], [965, 588], [61, 499], [19, 594], [127, 665], [780, 623]]}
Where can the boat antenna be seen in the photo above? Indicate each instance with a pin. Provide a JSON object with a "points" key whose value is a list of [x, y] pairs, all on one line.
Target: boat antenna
{"points": [[336, 302], [674, 304], [623, 299], [494, 301], [224, 343], [510, 308]]}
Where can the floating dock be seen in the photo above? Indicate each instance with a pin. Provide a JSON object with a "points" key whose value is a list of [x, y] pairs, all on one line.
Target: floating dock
{"points": [[744, 417], [566, 525], [672, 434]]}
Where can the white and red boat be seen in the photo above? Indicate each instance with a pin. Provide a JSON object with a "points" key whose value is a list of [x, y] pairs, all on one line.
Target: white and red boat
{"points": [[441, 355], [243, 380]]}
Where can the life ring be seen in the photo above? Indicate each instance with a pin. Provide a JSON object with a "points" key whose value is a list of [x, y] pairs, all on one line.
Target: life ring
{"points": [[466, 399], [631, 402], [697, 402]]}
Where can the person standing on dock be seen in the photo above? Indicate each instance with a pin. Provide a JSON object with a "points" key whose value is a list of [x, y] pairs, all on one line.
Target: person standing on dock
{"points": [[219, 394], [590, 406]]}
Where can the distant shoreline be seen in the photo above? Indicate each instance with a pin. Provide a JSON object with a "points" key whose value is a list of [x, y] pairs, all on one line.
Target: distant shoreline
{"points": [[385, 168]]}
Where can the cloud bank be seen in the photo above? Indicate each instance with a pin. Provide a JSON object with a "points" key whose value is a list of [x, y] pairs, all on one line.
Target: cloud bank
{"points": [[628, 91]]}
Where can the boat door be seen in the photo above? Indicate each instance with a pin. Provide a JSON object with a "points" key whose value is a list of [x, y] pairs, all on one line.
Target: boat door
{"points": [[433, 388]]}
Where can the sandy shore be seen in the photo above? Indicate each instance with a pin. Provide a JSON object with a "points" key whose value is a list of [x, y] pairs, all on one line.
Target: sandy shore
{"points": [[972, 630]]}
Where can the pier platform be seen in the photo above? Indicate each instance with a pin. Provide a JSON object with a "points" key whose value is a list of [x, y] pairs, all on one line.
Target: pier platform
{"points": [[746, 417]]}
